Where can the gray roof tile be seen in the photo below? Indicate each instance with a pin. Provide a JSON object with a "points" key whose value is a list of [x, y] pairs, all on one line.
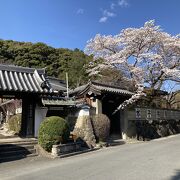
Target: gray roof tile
{"points": [[21, 79], [98, 88]]}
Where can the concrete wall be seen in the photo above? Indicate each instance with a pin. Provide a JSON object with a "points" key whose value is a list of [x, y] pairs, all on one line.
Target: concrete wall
{"points": [[40, 114]]}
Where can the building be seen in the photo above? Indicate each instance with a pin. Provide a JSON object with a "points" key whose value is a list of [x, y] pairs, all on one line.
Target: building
{"points": [[104, 99], [29, 85]]}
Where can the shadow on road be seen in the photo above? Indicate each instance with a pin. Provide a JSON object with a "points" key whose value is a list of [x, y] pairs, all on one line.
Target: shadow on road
{"points": [[11, 152], [176, 176]]}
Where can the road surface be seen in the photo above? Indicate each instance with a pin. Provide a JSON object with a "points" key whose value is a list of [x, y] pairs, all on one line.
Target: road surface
{"points": [[154, 160]]}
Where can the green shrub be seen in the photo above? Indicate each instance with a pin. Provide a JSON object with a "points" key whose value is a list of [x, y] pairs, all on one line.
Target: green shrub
{"points": [[53, 130], [14, 123], [101, 126]]}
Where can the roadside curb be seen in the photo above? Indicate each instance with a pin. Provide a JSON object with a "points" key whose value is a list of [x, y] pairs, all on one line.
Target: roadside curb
{"points": [[77, 153], [167, 137]]}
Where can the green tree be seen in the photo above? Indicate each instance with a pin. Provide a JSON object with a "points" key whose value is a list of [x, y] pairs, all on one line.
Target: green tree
{"points": [[57, 61]]}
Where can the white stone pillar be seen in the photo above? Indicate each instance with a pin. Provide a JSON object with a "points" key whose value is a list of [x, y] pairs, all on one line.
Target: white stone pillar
{"points": [[7, 115], [98, 106], [124, 124]]}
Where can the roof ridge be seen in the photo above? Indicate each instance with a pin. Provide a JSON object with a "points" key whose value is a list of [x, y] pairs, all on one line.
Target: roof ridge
{"points": [[12, 67], [107, 85]]}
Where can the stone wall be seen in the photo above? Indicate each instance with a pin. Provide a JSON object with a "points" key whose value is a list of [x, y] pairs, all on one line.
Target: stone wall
{"points": [[60, 149], [147, 130], [152, 114], [147, 123]]}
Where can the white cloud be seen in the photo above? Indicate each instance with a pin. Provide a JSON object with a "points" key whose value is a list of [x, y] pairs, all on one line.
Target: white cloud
{"points": [[112, 6], [80, 11], [103, 19], [108, 13], [105, 15], [123, 3]]}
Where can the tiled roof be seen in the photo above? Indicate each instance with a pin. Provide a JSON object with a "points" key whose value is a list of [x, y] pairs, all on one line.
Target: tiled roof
{"points": [[78, 89], [57, 84], [112, 89], [98, 88], [57, 102], [21, 79]]}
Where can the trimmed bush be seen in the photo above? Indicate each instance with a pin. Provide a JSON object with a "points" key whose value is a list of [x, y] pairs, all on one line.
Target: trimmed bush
{"points": [[53, 130], [101, 126], [14, 123]]}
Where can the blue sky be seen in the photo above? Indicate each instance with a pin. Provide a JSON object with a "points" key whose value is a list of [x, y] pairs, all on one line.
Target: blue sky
{"points": [[71, 23]]}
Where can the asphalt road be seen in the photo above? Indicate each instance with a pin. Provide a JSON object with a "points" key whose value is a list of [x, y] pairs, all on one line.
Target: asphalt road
{"points": [[153, 160]]}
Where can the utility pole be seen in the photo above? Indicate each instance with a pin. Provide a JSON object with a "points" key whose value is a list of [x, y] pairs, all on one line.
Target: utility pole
{"points": [[67, 86]]}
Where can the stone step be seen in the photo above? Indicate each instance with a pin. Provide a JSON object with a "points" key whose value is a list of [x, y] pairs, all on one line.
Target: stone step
{"points": [[12, 147], [11, 141], [115, 140], [22, 144], [18, 149], [16, 157]]}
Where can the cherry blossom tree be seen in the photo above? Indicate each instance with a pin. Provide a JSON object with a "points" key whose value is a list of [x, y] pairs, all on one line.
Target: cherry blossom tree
{"points": [[147, 56]]}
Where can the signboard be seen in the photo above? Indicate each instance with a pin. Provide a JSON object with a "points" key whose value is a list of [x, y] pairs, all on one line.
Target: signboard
{"points": [[138, 113], [148, 114]]}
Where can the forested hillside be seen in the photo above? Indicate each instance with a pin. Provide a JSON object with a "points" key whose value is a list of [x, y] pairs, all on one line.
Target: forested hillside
{"points": [[57, 61]]}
